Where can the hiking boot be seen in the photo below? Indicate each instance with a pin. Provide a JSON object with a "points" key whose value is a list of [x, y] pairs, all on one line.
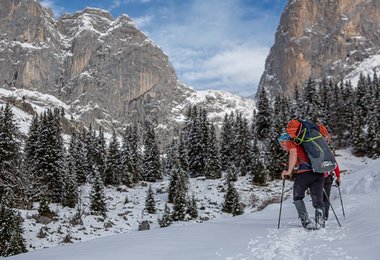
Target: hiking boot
{"points": [[319, 218], [308, 224]]}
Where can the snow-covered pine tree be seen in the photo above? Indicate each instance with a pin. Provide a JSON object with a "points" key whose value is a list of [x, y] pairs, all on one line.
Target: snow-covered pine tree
{"points": [[296, 104], [170, 155], [178, 178], [192, 208], [112, 173], [88, 137], [231, 200], [226, 143], [373, 120], [100, 152], [276, 155], [150, 203], [347, 114], [324, 92], [44, 209], [131, 160], [204, 125], [10, 157], [70, 184], [182, 153], [98, 204], [358, 135], [213, 167], [361, 97], [180, 203], [195, 146], [264, 115], [311, 108], [77, 158], [11, 239], [257, 167], [29, 158], [50, 155], [241, 143], [166, 220], [151, 158]]}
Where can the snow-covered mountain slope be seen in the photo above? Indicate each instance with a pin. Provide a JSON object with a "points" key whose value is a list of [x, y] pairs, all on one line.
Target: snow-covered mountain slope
{"points": [[255, 235], [217, 103]]}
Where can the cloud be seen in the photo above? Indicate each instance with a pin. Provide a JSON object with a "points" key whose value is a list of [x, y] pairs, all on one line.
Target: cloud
{"points": [[143, 21], [215, 44], [57, 10], [115, 4]]}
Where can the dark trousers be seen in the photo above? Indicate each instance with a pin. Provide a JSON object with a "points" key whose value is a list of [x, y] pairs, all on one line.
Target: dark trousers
{"points": [[312, 180], [327, 186]]}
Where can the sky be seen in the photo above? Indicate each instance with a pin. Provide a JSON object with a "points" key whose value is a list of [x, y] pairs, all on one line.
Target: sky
{"points": [[255, 236], [212, 44]]}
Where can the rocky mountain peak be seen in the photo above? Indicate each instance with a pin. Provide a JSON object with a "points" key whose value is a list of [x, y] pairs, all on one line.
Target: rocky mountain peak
{"points": [[321, 38]]}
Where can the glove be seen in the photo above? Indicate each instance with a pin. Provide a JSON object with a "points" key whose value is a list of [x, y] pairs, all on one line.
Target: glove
{"points": [[337, 183]]}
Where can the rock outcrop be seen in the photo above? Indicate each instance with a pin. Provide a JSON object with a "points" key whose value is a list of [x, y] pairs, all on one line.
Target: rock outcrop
{"points": [[321, 38], [103, 68]]}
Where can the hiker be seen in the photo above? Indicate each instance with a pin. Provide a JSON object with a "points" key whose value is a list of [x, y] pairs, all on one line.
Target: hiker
{"points": [[329, 179], [304, 178]]}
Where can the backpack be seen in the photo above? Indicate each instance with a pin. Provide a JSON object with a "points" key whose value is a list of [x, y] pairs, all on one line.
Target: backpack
{"points": [[312, 138]]}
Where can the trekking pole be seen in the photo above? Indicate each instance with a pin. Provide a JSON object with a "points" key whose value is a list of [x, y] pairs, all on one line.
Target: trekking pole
{"points": [[341, 202], [282, 196], [328, 200]]}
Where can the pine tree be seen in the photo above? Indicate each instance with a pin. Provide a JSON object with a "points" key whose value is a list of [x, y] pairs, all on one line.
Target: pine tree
{"points": [[264, 116], [50, 155], [226, 143], [347, 114], [179, 201], [70, 185], [276, 154], [88, 139], [182, 153], [10, 157], [151, 159], [241, 144], [213, 167], [166, 219], [311, 105], [77, 159], [150, 203], [44, 209], [178, 178], [358, 135], [29, 159], [100, 153], [112, 173], [361, 97], [257, 170], [192, 209], [11, 239], [98, 202], [195, 146], [131, 160], [231, 200]]}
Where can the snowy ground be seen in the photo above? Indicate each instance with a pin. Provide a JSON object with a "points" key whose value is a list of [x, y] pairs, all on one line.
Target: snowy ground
{"points": [[255, 235]]}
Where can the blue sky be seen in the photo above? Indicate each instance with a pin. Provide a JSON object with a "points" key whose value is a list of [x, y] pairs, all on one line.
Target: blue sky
{"points": [[212, 44]]}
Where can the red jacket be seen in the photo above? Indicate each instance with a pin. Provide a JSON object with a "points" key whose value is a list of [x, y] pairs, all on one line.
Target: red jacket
{"points": [[336, 171]]}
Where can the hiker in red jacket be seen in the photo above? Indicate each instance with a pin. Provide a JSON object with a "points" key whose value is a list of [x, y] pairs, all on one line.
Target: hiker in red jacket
{"points": [[304, 178], [329, 179]]}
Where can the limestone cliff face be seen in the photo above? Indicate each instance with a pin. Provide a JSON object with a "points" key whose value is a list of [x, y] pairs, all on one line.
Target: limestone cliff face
{"points": [[317, 38], [100, 66]]}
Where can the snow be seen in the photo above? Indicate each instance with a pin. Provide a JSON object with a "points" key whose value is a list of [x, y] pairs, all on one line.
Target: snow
{"points": [[366, 67], [254, 235], [222, 102]]}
